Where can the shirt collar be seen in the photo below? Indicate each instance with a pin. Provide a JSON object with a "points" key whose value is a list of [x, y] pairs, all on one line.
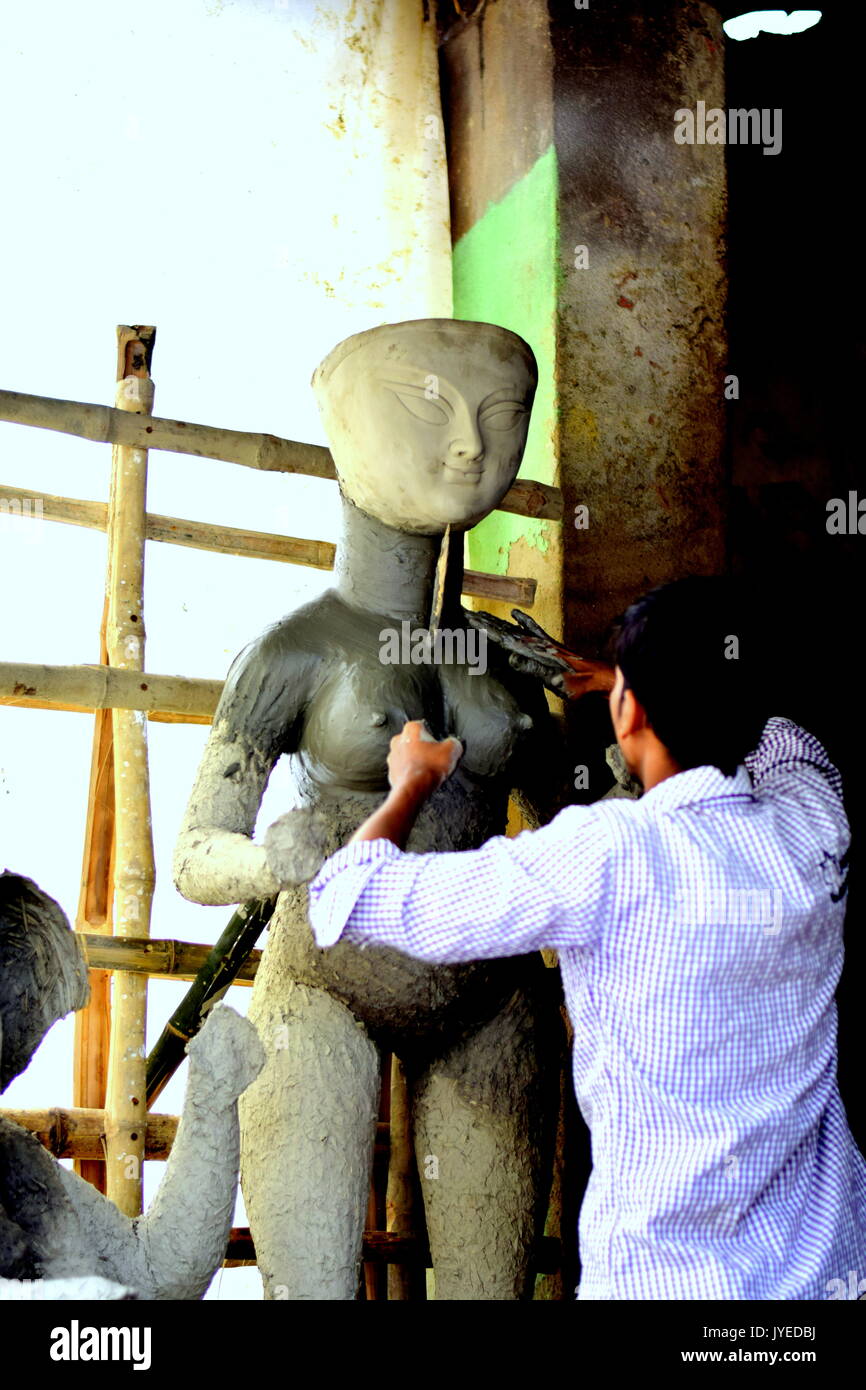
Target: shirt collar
{"points": [[698, 784]]}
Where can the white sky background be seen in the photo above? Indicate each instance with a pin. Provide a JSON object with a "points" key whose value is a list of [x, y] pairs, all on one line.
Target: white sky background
{"points": [[182, 165]]}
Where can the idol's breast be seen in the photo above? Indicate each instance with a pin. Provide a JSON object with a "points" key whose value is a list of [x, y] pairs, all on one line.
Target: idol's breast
{"points": [[359, 707]]}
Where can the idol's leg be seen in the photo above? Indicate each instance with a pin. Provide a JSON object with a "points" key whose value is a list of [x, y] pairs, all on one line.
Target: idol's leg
{"points": [[308, 1127]]}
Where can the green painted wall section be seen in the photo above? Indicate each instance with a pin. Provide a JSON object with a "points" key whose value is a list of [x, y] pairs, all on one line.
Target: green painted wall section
{"points": [[505, 271]]}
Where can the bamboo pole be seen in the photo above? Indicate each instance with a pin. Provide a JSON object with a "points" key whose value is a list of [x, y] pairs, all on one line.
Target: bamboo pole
{"points": [[175, 530], [225, 959], [252, 545], [266, 452], [157, 957], [93, 1023], [403, 1216], [79, 1133], [126, 1109], [86, 688]]}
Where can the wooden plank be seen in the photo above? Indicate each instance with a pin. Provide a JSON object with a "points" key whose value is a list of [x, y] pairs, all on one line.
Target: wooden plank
{"points": [[404, 1213], [386, 1247], [266, 452]]}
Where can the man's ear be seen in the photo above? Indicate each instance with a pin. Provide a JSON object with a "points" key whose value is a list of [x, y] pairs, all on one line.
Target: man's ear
{"points": [[632, 715]]}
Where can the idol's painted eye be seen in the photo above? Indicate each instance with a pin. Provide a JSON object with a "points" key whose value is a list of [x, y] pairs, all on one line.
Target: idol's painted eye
{"points": [[420, 403], [505, 415], [429, 411]]}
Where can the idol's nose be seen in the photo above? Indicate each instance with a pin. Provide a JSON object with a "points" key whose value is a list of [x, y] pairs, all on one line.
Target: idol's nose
{"points": [[466, 445]]}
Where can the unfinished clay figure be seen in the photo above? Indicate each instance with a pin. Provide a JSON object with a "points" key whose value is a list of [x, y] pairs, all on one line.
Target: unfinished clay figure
{"points": [[427, 423], [53, 1225]]}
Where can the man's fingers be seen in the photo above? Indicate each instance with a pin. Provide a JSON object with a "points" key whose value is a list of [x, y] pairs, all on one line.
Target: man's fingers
{"points": [[526, 645], [415, 751], [413, 731], [418, 731]]}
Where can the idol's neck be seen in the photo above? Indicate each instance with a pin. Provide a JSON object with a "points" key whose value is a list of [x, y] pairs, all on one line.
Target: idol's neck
{"points": [[384, 570]]}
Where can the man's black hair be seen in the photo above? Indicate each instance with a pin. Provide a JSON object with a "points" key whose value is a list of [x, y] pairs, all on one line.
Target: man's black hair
{"points": [[687, 652]]}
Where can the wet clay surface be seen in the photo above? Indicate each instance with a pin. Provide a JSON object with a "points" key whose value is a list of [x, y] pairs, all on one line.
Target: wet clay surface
{"points": [[353, 706]]}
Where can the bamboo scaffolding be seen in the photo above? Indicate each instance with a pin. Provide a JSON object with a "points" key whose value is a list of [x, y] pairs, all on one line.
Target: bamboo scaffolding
{"points": [[252, 545], [82, 689], [379, 1248], [78, 1133], [118, 1136], [266, 452], [160, 958], [374, 1279], [126, 1108]]}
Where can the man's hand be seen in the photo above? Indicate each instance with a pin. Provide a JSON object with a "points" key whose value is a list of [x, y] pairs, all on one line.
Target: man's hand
{"points": [[533, 652], [417, 764], [417, 756]]}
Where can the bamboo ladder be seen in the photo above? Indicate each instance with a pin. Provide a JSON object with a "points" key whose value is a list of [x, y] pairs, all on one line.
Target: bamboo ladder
{"points": [[108, 1132]]}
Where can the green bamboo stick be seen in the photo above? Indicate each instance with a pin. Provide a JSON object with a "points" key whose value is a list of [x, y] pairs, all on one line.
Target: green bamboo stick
{"points": [[210, 984]]}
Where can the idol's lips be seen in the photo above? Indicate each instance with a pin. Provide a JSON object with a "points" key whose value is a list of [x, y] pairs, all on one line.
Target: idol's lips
{"points": [[467, 475]]}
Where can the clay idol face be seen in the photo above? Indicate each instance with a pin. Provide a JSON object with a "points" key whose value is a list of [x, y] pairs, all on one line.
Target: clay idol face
{"points": [[427, 420]]}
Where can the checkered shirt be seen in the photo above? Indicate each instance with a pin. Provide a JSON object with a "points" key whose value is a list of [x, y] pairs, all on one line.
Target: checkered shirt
{"points": [[699, 932]]}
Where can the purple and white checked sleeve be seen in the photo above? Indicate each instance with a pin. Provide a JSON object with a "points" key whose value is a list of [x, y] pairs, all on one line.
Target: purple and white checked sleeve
{"points": [[787, 754], [542, 888]]}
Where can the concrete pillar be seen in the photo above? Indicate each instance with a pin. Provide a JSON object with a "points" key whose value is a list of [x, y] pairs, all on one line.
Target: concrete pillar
{"points": [[561, 136]]}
